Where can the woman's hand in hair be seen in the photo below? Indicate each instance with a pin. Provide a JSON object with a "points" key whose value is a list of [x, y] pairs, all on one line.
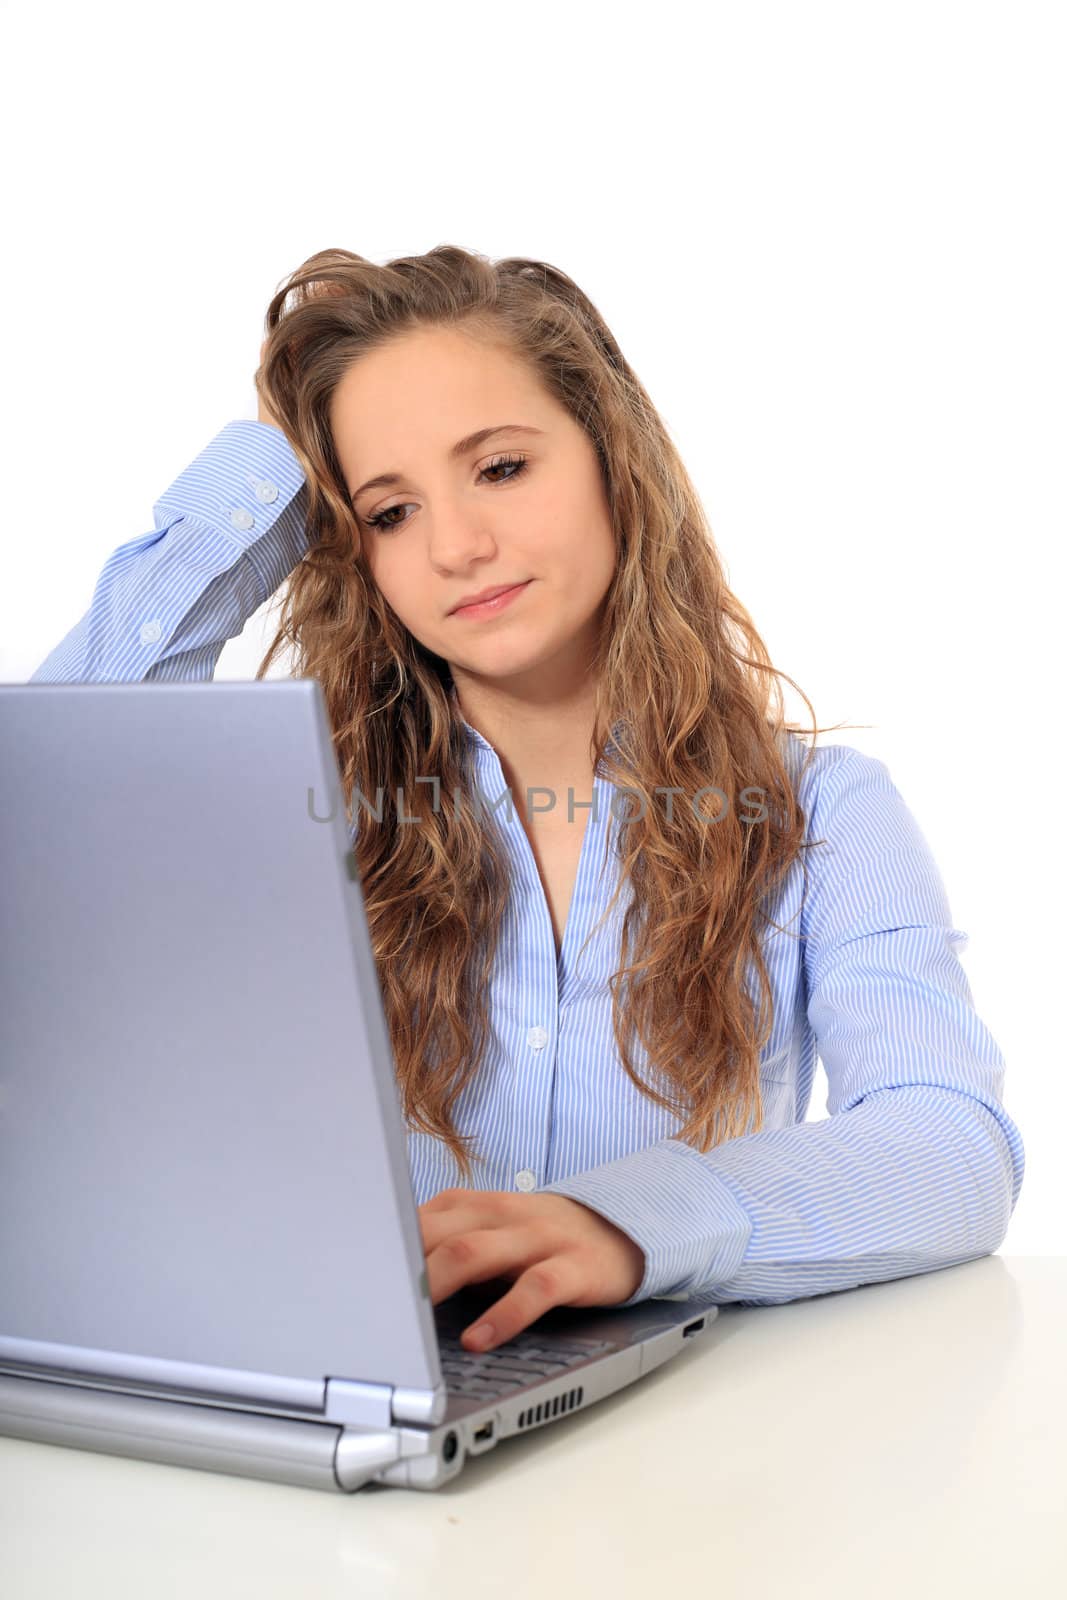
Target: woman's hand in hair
{"points": [[265, 414], [556, 1252]]}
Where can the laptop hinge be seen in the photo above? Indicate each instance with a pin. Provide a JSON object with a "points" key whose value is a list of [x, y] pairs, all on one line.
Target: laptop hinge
{"points": [[379, 1405]]}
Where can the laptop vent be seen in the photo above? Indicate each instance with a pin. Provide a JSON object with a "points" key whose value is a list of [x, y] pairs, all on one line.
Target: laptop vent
{"points": [[550, 1408]]}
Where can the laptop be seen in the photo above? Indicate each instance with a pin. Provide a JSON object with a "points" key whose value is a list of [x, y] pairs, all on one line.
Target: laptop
{"points": [[210, 1252]]}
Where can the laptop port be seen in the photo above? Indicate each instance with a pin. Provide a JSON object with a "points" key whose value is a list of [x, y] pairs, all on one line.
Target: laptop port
{"points": [[692, 1327], [483, 1433]]}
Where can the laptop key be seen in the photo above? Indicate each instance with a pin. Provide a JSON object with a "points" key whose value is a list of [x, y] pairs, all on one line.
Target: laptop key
{"points": [[520, 1375], [557, 1358], [577, 1347], [575, 1352]]}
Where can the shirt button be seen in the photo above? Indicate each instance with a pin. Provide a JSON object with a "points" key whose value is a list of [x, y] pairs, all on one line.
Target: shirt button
{"points": [[150, 632], [242, 518], [266, 492], [537, 1038], [525, 1180]]}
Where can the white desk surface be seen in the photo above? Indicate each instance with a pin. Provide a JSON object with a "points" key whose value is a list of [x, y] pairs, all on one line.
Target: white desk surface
{"points": [[900, 1438]]}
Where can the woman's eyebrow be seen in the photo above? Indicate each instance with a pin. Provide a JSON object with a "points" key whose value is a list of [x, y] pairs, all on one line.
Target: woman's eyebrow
{"points": [[461, 447]]}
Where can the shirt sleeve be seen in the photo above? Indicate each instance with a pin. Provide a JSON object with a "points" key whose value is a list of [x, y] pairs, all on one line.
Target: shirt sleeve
{"points": [[917, 1166], [226, 533]]}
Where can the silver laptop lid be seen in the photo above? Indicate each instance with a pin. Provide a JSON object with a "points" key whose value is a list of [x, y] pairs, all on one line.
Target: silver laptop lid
{"points": [[203, 1164]]}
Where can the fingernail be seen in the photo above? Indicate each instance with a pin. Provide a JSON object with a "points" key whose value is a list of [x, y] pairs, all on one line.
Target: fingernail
{"points": [[482, 1334]]}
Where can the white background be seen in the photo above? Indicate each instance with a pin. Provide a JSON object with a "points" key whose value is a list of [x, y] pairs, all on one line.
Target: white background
{"points": [[829, 237]]}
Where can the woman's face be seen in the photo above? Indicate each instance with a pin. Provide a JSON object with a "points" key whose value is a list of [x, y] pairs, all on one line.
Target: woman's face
{"points": [[455, 524]]}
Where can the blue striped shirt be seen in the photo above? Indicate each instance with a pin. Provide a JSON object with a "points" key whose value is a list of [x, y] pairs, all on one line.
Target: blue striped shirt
{"points": [[916, 1167]]}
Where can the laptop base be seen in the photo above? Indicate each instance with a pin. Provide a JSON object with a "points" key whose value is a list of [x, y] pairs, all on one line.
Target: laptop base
{"points": [[307, 1453]]}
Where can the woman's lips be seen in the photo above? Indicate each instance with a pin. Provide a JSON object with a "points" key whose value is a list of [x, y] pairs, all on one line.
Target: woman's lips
{"points": [[489, 608]]}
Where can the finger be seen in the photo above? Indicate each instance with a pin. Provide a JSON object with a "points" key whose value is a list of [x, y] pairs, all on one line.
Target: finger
{"points": [[444, 1200], [465, 1213], [445, 1197], [476, 1255], [444, 1224], [546, 1284]]}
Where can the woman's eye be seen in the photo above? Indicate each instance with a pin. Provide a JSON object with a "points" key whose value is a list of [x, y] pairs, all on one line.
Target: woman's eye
{"points": [[516, 463]]}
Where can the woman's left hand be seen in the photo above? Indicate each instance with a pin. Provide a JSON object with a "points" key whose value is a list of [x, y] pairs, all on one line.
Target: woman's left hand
{"points": [[558, 1252]]}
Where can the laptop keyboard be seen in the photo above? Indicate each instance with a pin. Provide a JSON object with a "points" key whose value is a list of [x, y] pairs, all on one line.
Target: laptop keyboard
{"points": [[515, 1365]]}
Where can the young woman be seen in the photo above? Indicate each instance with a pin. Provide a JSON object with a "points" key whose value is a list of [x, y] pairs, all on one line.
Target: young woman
{"points": [[618, 908]]}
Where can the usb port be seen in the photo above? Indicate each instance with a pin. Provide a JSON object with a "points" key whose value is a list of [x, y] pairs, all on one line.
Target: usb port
{"points": [[484, 1432], [692, 1327]]}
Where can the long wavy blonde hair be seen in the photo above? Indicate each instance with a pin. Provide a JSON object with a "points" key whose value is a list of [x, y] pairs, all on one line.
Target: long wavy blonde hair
{"points": [[684, 686]]}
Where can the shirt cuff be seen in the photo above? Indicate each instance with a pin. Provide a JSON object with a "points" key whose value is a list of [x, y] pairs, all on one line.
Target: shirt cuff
{"points": [[686, 1217], [248, 488], [240, 483]]}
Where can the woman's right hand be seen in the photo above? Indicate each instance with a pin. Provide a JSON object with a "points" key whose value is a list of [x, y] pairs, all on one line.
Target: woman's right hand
{"points": [[265, 414]]}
